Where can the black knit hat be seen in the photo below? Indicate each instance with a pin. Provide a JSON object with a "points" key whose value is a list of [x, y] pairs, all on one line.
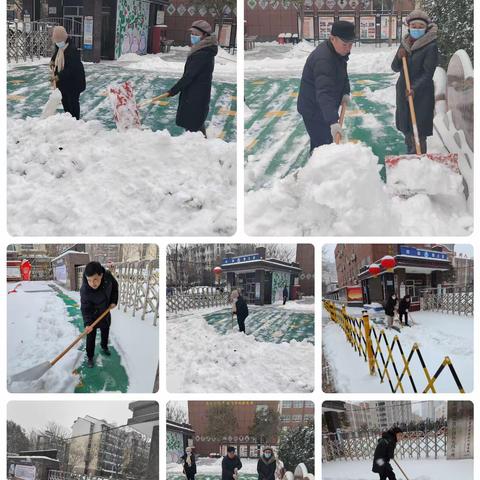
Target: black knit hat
{"points": [[344, 30], [231, 449]]}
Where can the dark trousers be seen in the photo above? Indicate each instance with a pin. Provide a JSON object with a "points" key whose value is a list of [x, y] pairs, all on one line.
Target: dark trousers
{"points": [[404, 314], [71, 103], [388, 474], [410, 143], [241, 324], [285, 300], [318, 131], [104, 331]]}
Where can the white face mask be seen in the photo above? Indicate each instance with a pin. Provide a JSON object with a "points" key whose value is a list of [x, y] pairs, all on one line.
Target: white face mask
{"points": [[60, 44]]}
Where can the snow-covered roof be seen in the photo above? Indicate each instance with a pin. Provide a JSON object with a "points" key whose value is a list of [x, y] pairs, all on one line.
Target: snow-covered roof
{"points": [[67, 253]]}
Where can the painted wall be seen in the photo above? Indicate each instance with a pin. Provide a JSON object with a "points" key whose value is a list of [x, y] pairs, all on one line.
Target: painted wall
{"points": [[279, 280], [174, 446], [132, 27]]}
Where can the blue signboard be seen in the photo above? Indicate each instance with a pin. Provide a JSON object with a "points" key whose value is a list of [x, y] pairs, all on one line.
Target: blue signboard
{"points": [[242, 259], [419, 253]]}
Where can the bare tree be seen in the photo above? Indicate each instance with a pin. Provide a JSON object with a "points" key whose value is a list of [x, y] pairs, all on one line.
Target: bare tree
{"points": [[280, 252], [176, 413]]}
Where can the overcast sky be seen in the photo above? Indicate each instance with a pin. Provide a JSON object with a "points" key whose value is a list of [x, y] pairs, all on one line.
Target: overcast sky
{"points": [[37, 414], [468, 249]]}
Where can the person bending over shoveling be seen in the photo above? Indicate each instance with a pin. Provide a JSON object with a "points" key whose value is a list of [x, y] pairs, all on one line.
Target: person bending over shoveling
{"points": [[419, 47], [384, 452], [195, 86], [68, 74], [325, 85], [98, 292]]}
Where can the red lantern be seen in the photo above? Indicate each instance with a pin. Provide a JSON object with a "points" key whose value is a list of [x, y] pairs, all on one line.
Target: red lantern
{"points": [[388, 262], [374, 269], [217, 270]]}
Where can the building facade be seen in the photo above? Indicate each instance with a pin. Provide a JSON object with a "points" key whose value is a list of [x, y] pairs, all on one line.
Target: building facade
{"points": [[296, 413], [377, 416], [305, 258]]}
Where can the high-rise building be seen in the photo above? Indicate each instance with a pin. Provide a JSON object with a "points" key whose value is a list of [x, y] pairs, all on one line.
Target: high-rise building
{"points": [[305, 258]]}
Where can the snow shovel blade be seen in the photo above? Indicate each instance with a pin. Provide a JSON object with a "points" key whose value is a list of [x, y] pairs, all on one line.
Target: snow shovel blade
{"points": [[52, 104], [31, 374]]}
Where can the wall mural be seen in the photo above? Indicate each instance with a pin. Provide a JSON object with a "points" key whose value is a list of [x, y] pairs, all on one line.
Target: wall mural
{"points": [[279, 280], [174, 447], [132, 27]]}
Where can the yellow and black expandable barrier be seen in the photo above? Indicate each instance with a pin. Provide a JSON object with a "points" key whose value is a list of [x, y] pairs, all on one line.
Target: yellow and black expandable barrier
{"points": [[373, 345]]}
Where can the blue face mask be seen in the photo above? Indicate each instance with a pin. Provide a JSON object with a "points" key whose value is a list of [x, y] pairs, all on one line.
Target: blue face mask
{"points": [[417, 33], [60, 44], [267, 455], [194, 39]]}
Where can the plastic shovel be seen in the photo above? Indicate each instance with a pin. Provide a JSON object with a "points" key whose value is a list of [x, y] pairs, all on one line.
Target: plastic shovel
{"points": [[53, 102], [38, 371], [343, 109], [450, 160]]}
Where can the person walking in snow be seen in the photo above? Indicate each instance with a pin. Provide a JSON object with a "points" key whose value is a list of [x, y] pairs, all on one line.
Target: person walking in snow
{"points": [[389, 307], [189, 464], [231, 464], [419, 47], [403, 308], [196, 83], [267, 465], [325, 85], [285, 294], [68, 74], [99, 291], [240, 309], [384, 452]]}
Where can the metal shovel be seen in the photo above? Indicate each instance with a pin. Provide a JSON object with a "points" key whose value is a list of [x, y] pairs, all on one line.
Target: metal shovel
{"points": [[38, 371]]}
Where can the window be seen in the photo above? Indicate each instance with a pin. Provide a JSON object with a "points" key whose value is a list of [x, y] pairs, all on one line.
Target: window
{"points": [[287, 404], [298, 404], [296, 418]]}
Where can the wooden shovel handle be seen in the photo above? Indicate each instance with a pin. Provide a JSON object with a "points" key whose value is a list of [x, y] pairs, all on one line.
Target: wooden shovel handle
{"points": [[151, 100], [94, 324], [340, 121], [412, 107]]}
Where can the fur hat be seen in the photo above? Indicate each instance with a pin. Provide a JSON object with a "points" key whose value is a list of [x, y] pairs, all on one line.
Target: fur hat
{"points": [[202, 25], [59, 34], [418, 15]]}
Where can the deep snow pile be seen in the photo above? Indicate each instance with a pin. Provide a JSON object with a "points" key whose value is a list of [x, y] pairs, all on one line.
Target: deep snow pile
{"points": [[425, 469], [306, 304], [38, 329], [340, 192], [68, 177], [269, 60], [437, 335], [201, 360]]}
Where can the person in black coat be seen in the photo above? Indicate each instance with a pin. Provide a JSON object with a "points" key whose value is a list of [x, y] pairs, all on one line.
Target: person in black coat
{"points": [[196, 83], [267, 465], [189, 464], [285, 294], [231, 464], [403, 308], [325, 85], [67, 70], [419, 47], [241, 310], [389, 307], [384, 452], [99, 291]]}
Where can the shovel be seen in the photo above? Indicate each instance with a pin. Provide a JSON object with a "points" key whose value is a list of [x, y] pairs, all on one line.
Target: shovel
{"points": [[400, 468], [450, 160], [338, 137], [38, 371], [53, 102], [151, 100]]}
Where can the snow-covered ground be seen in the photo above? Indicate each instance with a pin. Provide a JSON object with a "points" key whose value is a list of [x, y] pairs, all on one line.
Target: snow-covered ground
{"points": [[437, 335], [425, 469], [39, 328], [209, 466], [69, 177], [199, 359]]}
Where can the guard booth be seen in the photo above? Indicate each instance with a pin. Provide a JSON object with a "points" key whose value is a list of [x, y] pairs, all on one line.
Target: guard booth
{"points": [[64, 268], [32, 467]]}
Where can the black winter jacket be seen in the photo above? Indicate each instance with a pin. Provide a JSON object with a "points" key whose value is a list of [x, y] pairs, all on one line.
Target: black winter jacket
{"points": [[422, 60], [266, 468], [324, 82], [195, 88], [95, 302], [403, 306], [390, 306], [384, 452], [228, 466], [189, 470], [72, 78], [241, 308]]}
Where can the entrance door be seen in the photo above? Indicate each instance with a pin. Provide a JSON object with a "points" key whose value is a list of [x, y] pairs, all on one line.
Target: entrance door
{"points": [[108, 30]]}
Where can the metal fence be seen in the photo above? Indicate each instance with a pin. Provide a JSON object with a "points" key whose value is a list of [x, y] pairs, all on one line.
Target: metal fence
{"points": [[196, 298], [388, 359], [361, 446], [32, 40], [455, 300], [138, 287], [60, 475]]}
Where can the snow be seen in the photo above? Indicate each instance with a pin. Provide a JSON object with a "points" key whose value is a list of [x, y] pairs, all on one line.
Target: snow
{"points": [[201, 360], [273, 60], [425, 469], [311, 201], [39, 329], [385, 96], [209, 466], [106, 182], [438, 335], [306, 304]]}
